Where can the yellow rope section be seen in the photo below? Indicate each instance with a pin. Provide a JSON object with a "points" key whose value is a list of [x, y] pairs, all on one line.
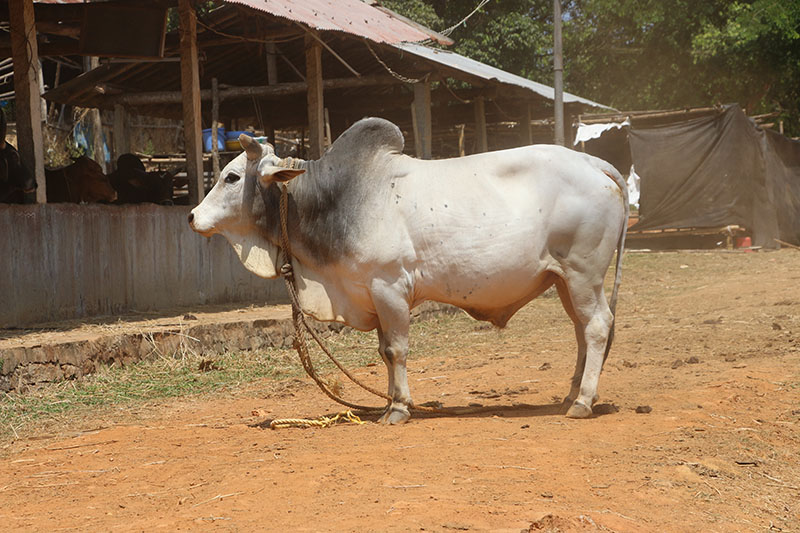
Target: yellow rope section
{"points": [[321, 422]]}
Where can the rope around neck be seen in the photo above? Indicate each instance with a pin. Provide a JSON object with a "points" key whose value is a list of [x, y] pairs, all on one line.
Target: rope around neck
{"points": [[301, 327]]}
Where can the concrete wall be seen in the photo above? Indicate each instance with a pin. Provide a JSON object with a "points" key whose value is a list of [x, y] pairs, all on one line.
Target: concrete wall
{"points": [[63, 261]]}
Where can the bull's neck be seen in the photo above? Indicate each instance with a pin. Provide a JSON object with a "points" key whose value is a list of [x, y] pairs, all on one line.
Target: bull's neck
{"points": [[302, 192]]}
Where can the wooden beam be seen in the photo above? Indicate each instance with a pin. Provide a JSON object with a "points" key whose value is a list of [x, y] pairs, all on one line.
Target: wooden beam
{"points": [[481, 140], [95, 122], [272, 79], [25, 54], [122, 139], [525, 127], [214, 128], [233, 93], [314, 98], [190, 90], [45, 49], [422, 119]]}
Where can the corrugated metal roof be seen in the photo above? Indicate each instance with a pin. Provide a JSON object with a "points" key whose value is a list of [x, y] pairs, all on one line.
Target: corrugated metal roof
{"points": [[350, 16], [489, 73]]}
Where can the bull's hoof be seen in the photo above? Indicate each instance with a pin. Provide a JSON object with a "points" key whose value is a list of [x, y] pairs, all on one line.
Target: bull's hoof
{"points": [[579, 410], [395, 414]]}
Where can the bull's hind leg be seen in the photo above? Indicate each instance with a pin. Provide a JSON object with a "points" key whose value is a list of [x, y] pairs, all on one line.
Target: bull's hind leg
{"points": [[585, 302], [394, 318], [580, 362]]}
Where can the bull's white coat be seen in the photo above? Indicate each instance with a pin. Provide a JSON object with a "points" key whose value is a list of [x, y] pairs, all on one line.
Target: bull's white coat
{"points": [[487, 233]]}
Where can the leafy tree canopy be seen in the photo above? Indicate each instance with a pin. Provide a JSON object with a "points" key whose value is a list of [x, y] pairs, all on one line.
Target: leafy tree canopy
{"points": [[639, 54]]}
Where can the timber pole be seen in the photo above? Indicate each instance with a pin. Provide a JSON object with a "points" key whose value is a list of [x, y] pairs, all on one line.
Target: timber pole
{"points": [[481, 137], [272, 79], [214, 128], [95, 120], [25, 55], [558, 68], [422, 119], [314, 97], [121, 133], [190, 92]]}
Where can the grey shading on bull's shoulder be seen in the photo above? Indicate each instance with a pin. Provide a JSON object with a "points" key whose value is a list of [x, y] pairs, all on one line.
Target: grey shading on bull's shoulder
{"points": [[375, 233]]}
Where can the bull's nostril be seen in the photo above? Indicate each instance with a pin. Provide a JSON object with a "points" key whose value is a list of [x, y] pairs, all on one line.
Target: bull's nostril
{"points": [[191, 217]]}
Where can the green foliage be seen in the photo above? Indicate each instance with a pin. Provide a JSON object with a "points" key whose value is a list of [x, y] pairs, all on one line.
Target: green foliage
{"points": [[201, 6], [762, 39], [416, 10], [639, 54]]}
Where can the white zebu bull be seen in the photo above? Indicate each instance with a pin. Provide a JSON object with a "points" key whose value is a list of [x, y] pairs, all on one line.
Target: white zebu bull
{"points": [[375, 233]]}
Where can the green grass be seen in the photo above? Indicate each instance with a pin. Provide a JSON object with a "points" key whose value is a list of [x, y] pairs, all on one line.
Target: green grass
{"points": [[158, 379], [178, 375], [187, 375]]}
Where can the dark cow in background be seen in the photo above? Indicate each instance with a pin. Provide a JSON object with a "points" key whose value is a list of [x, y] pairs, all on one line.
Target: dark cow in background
{"points": [[135, 185], [17, 183], [81, 182]]}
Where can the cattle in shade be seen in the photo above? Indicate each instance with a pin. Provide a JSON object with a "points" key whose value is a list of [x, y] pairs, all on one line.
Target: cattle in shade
{"points": [[17, 183], [375, 233], [134, 185], [83, 181]]}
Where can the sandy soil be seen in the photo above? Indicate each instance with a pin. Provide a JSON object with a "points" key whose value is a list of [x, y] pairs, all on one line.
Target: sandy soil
{"points": [[709, 344]]}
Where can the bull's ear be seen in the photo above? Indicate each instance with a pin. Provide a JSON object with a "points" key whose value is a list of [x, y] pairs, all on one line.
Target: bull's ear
{"points": [[268, 175], [253, 149]]}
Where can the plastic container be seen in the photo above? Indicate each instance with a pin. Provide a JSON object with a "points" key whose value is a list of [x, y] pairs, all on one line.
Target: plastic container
{"points": [[744, 242], [220, 139], [233, 145], [234, 135]]}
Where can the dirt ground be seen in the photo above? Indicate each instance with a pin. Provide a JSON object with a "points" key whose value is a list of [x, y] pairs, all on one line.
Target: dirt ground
{"points": [[708, 346]]}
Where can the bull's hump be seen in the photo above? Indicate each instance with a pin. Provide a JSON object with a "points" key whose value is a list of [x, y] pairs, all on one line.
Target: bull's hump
{"points": [[369, 135]]}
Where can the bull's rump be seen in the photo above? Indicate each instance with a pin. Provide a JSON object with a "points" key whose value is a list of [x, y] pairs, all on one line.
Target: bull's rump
{"points": [[482, 232]]}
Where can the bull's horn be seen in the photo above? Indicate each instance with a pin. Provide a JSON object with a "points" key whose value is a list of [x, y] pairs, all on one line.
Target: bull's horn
{"points": [[252, 148]]}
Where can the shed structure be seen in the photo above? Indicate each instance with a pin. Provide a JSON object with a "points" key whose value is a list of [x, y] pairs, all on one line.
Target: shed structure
{"points": [[287, 64], [292, 66]]}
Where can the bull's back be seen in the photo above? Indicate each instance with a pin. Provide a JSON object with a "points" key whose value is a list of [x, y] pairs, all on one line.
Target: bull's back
{"points": [[486, 229]]}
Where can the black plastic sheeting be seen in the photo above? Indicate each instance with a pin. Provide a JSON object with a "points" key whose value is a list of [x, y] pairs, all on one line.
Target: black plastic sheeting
{"points": [[718, 170]]}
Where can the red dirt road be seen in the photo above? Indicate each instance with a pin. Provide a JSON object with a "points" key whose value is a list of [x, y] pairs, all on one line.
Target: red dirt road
{"points": [[710, 342]]}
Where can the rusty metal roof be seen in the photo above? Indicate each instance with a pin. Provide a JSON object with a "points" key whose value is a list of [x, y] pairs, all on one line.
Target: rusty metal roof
{"points": [[490, 73], [350, 16]]}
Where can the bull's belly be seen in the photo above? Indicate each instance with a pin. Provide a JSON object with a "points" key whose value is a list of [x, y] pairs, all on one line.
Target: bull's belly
{"points": [[493, 294]]}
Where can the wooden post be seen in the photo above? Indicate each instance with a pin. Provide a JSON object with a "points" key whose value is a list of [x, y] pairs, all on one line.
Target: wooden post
{"points": [[482, 142], [527, 136], [95, 121], [461, 151], [328, 135], [272, 79], [25, 53], [51, 115], [422, 115], [122, 140], [190, 90], [316, 113], [214, 126]]}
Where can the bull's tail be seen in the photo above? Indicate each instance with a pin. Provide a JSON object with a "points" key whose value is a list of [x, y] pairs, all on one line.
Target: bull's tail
{"points": [[612, 173]]}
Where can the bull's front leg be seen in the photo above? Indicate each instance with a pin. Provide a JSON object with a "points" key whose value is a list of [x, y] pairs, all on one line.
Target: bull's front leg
{"points": [[394, 319]]}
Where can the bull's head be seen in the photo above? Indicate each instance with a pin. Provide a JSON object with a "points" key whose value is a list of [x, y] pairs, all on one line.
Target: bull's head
{"points": [[229, 206], [235, 207]]}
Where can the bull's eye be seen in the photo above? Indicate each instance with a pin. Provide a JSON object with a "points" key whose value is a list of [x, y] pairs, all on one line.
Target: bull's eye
{"points": [[232, 178]]}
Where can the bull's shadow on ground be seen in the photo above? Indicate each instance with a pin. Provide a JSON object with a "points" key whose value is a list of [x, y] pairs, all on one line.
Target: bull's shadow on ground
{"points": [[516, 410]]}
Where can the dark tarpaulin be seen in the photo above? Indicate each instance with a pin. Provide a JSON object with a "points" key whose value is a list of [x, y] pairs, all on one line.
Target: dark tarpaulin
{"points": [[783, 174], [715, 171]]}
